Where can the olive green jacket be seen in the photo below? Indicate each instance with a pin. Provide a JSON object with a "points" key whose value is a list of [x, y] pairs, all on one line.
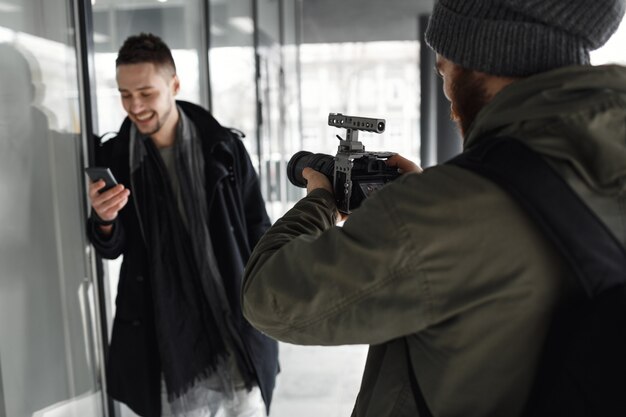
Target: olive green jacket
{"points": [[446, 260]]}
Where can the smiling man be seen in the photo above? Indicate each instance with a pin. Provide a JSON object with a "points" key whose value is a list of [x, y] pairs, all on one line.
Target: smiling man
{"points": [[147, 96], [185, 215]]}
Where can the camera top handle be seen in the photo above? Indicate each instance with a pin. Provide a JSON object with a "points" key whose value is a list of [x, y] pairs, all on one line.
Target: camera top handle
{"points": [[353, 124]]}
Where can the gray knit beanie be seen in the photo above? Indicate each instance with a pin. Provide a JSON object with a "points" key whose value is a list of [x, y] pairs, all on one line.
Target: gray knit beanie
{"points": [[521, 37]]}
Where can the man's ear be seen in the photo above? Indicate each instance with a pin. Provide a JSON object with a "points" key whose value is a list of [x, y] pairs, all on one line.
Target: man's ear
{"points": [[175, 85]]}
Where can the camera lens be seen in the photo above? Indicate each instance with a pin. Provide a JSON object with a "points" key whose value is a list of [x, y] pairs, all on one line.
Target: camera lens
{"points": [[295, 166], [381, 126], [318, 161]]}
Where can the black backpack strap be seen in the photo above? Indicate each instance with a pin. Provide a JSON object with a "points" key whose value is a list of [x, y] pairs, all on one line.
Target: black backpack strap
{"points": [[582, 369], [581, 373], [597, 259]]}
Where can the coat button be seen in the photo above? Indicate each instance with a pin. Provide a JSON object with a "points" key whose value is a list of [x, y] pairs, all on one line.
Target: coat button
{"points": [[136, 323], [139, 278]]}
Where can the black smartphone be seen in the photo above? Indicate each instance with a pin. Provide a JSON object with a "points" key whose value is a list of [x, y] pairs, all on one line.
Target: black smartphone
{"points": [[101, 173]]}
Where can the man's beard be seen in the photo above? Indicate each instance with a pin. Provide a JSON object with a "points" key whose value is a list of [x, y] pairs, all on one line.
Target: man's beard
{"points": [[159, 122], [468, 97]]}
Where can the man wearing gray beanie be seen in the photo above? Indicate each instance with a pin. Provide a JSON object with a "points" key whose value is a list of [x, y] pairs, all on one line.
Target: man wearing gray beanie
{"points": [[443, 273], [487, 44]]}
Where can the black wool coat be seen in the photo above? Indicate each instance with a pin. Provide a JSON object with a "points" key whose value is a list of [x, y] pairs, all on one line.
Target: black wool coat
{"points": [[237, 219]]}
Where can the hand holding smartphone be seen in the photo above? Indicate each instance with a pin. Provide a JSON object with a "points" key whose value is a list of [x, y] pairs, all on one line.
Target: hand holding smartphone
{"points": [[102, 173], [105, 207]]}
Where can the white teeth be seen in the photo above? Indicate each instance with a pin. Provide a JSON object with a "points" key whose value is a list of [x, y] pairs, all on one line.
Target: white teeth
{"points": [[144, 117]]}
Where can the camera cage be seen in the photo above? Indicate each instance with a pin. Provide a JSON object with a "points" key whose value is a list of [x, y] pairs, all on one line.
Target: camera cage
{"points": [[351, 149]]}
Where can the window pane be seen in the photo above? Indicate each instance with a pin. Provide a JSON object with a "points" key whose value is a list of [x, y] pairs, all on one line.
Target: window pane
{"points": [[368, 79], [232, 69]]}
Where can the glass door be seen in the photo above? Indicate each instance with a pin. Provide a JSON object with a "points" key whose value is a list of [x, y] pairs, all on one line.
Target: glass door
{"points": [[49, 357]]}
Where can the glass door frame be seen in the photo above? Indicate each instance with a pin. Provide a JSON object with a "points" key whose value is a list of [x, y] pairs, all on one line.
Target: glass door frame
{"points": [[83, 31]]}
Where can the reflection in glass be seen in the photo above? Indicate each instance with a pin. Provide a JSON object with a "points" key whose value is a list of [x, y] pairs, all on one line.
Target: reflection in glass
{"points": [[49, 359]]}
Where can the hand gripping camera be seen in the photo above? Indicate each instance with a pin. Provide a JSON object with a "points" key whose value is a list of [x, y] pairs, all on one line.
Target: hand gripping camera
{"points": [[354, 173]]}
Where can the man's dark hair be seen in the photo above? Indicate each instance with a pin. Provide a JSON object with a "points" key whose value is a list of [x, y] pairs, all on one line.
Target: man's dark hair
{"points": [[145, 48]]}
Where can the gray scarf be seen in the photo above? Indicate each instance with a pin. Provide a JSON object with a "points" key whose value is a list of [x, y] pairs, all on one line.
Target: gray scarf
{"points": [[188, 294]]}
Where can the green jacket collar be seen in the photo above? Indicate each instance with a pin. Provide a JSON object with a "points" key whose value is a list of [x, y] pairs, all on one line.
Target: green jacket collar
{"points": [[577, 114]]}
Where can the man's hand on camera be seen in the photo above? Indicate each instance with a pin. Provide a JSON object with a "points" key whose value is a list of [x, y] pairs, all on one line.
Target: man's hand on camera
{"points": [[404, 165], [314, 180]]}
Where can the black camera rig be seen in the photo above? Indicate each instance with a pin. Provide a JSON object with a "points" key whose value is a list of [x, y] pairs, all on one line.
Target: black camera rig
{"points": [[354, 172]]}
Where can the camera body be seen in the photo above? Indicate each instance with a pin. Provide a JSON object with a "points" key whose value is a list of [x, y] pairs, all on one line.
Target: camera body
{"points": [[354, 172]]}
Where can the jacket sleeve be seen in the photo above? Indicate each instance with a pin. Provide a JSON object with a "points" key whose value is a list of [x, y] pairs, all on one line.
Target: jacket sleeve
{"points": [[109, 247], [310, 282], [257, 220]]}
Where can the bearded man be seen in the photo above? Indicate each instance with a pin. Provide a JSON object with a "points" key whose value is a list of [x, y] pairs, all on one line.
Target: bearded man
{"points": [[442, 273]]}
